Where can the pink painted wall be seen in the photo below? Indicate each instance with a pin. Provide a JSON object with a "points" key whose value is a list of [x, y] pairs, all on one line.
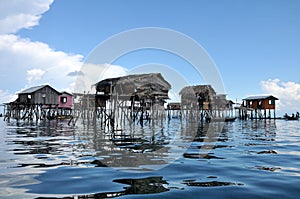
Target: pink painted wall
{"points": [[65, 100]]}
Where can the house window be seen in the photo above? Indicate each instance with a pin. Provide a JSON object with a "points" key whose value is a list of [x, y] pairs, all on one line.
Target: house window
{"points": [[271, 102], [63, 99], [29, 96]]}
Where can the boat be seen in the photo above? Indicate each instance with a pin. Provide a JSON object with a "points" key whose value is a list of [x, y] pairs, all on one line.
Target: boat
{"points": [[291, 117]]}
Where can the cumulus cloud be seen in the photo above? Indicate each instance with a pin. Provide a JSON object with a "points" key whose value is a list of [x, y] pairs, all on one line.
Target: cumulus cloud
{"points": [[26, 63], [33, 63], [18, 14], [75, 73], [287, 92], [94, 73], [34, 75], [5, 96]]}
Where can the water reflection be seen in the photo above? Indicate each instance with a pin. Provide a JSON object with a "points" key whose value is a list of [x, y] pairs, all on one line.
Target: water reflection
{"points": [[151, 185], [138, 147], [76, 160], [58, 144], [148, 185]]}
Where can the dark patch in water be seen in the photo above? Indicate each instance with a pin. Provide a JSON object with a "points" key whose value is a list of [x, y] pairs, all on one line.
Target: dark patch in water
{"points": [[149, 185], [267, 152], [41, 165], [221, 146], [212, 177], [268, 168], [211, 184], [213, 147], [205, 156], [98, 163]]}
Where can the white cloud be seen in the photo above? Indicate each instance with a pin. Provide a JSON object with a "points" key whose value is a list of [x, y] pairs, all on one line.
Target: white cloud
{"points": [[33, 63], [25, 63], [18, 14], [287, 92], [5, 96], [34, 75], [93, 73]]}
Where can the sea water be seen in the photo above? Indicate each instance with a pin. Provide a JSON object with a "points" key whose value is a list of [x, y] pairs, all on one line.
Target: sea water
{"points": [[174, 159]]}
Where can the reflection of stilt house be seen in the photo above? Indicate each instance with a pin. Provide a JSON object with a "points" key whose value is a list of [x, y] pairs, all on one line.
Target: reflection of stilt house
{"points": [[84, 107], [260, 107], [126, 99], [39, 102]]}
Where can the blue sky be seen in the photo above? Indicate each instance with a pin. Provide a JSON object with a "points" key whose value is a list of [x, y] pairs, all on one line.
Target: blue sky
{"points": [[254, 44]]}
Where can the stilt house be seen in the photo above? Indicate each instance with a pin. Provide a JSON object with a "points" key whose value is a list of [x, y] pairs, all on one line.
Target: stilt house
{"points": [[39, 102], [131, 97], [39, 95], [202, 101], [65, 100], [200, 97], [145, 88], [260, 106]]}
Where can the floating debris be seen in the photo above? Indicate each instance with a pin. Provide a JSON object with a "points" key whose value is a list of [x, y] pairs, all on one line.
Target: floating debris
{"points": [[211, 184], [268, 168], [267, 152]]}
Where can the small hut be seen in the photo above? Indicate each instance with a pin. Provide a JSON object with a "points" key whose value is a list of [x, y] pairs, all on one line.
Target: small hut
{"points": [[142, 86], [200, 96], [202, 101], [260, 106], [197, 101], [65, 100], [65, 103], [39, 102], [44, 95], [174, 110]]}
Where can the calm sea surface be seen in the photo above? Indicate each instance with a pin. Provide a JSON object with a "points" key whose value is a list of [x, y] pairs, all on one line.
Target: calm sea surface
{"points": [[242, 159]]}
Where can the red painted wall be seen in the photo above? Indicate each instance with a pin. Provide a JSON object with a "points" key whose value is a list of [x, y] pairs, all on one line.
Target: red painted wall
{"points": [[65, 104]]}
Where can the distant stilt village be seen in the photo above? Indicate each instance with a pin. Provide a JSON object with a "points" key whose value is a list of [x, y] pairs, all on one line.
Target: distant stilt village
{"points": [[137, 99]]}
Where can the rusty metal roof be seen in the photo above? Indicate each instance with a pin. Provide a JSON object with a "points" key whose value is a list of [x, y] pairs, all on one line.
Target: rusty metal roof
{"points": [[260, 97]]}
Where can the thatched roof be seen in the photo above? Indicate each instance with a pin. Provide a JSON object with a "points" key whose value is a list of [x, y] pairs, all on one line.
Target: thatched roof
{"points": [[145, 86], [205, 92], [198, 89]]}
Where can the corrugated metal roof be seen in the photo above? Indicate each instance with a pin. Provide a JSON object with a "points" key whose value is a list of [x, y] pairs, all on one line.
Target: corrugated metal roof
{"points": [[260, 97], [65, 92], [32, 89]]}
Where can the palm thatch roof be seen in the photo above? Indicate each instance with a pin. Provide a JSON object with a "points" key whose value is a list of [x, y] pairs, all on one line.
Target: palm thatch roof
{"points": [[144, 86], [203, 92]]}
